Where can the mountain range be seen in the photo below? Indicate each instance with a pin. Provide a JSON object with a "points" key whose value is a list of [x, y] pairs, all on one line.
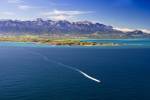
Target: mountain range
{"points": [[40, 26]]}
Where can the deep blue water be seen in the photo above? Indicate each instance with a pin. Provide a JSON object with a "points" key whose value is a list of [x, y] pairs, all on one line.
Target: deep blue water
{"points": [[26, 74]]}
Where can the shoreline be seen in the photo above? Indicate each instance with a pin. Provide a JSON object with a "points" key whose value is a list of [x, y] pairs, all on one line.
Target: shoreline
{"points": [[56, 41], [87, 44]]}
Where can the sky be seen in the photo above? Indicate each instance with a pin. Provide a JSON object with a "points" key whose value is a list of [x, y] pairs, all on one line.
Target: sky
{"points": [[121, 14]]}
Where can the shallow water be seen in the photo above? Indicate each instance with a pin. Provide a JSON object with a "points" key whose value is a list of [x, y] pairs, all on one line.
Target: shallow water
{"points": [[127, 42]]}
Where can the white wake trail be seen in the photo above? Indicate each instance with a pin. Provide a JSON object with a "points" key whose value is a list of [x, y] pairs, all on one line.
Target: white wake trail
{"points": [[67, 66], [89, 77]]}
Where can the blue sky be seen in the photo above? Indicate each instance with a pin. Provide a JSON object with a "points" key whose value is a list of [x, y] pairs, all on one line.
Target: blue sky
{"points": [[122, 14]]}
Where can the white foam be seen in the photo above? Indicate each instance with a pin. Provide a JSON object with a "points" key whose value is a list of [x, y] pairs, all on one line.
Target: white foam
{"points": [[89, 77]]}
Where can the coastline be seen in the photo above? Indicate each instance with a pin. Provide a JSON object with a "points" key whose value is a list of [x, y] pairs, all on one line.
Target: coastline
{"points": [[56, 41]]}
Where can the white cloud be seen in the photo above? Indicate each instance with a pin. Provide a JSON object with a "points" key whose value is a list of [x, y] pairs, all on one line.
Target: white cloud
{"points": [[24, 7], [60, 17], [58, 4], [7, 13], [124, 29], [145, 30], [15, 1], [129, 30], [64, 14]]}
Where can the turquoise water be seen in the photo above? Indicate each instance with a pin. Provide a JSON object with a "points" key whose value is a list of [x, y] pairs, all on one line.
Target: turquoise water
{"points": [[22, 44], [31, 71], [127, 42]]}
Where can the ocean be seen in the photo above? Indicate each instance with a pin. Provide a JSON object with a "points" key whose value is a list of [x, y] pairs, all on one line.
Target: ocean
{"points": [[31, 71]]}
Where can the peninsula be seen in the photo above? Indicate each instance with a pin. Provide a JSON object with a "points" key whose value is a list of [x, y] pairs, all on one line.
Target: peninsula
{"points": [[54, 41]]}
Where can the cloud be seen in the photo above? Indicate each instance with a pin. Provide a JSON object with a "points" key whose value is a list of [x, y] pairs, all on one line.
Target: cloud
{"points": [[58, 4], [29, 7], [15, 1], [7, 13], [129, 30], [146, 30], [24, 7], [64, 14], [124, 29]]}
